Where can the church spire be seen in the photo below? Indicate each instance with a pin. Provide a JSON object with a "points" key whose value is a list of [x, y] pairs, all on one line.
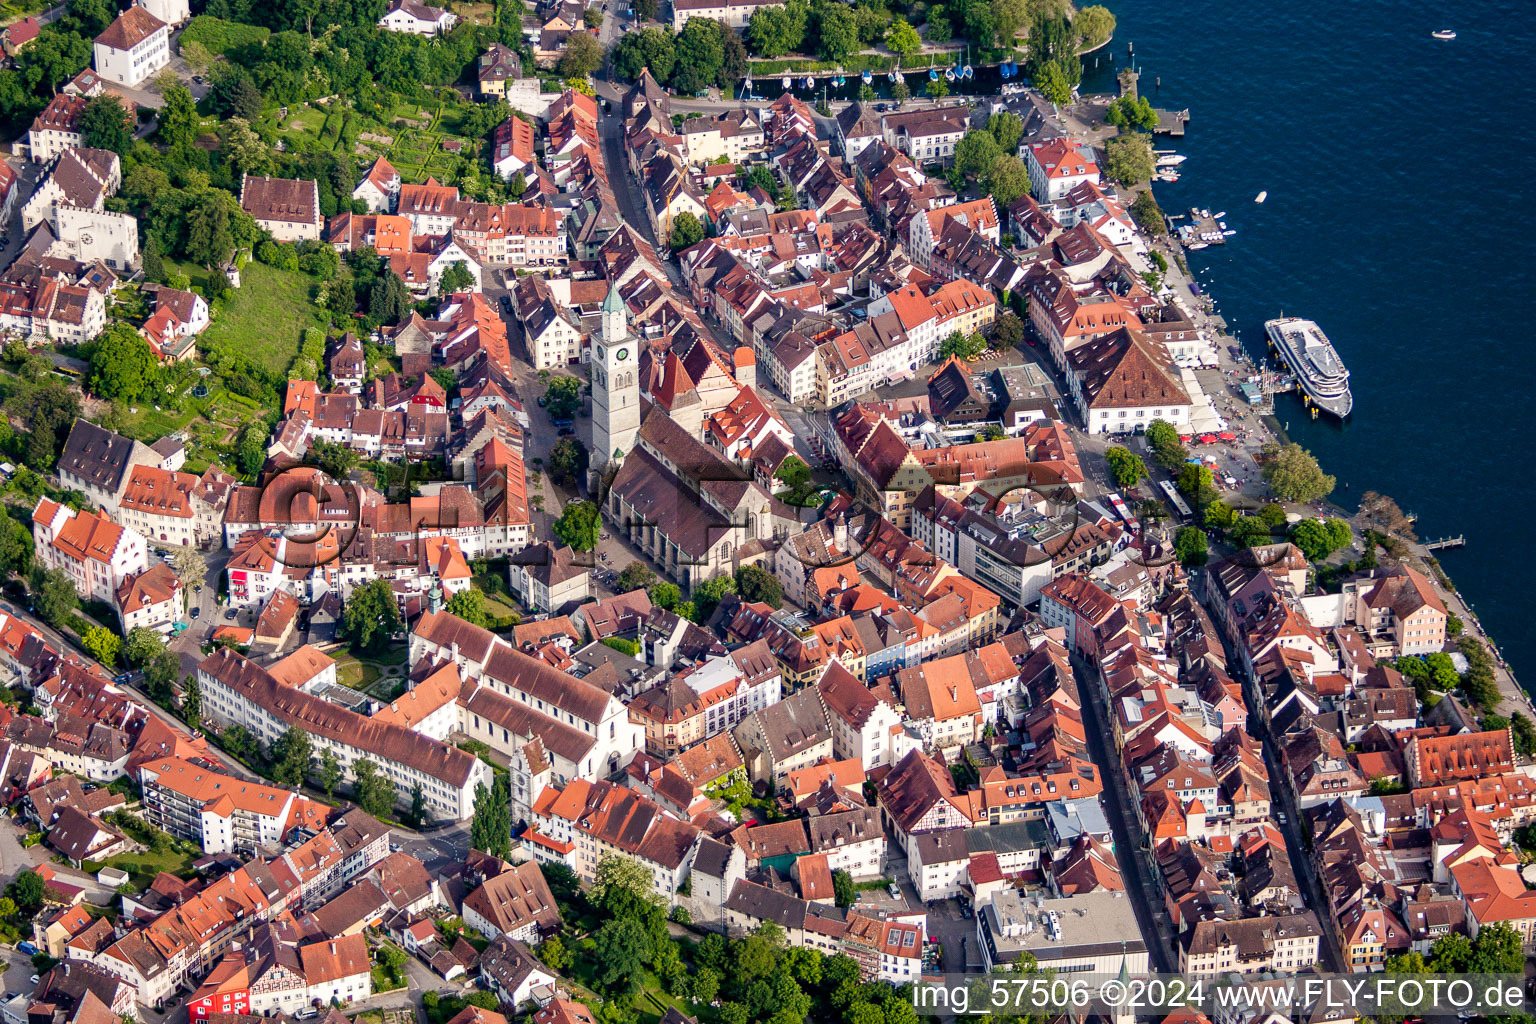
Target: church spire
{"points": [[615, 317]]}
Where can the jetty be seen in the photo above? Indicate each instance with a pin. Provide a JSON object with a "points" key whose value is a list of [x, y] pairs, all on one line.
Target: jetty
{"points": [[1171, 122], [1445, 543]]}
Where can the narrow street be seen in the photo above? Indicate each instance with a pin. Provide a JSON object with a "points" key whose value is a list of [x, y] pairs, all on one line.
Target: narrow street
{"points": [[1130, 843], [1284, 801]]}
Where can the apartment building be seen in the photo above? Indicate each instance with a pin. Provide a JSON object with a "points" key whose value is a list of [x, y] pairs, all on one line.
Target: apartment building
{"points": [[95, 552], [267, 701], [221, 813]]}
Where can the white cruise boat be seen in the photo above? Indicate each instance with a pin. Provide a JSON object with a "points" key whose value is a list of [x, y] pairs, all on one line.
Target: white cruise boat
{"points": [[1306, 350]]}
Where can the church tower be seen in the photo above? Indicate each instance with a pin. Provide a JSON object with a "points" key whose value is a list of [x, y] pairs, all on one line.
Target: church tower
{"points": [[615, 387]]}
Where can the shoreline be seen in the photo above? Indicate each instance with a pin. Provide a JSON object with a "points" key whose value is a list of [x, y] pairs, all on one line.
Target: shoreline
{"points": [[1516, 697]]}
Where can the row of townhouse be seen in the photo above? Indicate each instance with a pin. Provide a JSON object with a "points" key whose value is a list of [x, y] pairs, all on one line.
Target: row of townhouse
{"points": [[1346, 723], [517, 235], [886, 949], [584, 822], [416, 429], [707, 699], [178, 946], [890, 474]]}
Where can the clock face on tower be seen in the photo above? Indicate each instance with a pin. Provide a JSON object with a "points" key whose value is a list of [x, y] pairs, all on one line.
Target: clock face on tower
{"points": [[622, 354]]}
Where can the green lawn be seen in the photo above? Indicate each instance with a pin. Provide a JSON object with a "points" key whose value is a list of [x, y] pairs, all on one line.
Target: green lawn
{"points": [[143, 867], [147, 423], [264, 319], [356, 674]]}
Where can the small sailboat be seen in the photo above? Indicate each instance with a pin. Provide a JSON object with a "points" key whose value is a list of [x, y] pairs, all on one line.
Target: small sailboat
{"points": [[949, 74], [746, 85], [1218, 216], [1228, 233], [787, 83], [866, 77], [933, 75], [1261, 197], [1171, 160], [810, 83], [892, 77], [966, 71], [1444, 33]]}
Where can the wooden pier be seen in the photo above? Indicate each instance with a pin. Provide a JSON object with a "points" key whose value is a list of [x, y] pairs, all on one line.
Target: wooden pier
{"points": [[1445, 543], [1171, 122]]}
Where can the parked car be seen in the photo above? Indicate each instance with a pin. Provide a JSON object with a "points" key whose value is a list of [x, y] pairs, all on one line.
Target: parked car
{"points": [[894, 890], [231, 613], [196, 612], [26, 947], [566, 432]]}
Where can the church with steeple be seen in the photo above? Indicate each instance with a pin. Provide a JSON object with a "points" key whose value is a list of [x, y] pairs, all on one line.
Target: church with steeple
{"points": [[615, 388]]}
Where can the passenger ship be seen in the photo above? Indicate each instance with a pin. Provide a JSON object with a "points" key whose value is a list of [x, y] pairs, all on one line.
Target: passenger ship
{"points": [[1304, 348]]}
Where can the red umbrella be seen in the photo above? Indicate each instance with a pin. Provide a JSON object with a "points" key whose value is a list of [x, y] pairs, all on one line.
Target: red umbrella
{"points": [[1227, 436], [1186, 438], [1207, 438]]}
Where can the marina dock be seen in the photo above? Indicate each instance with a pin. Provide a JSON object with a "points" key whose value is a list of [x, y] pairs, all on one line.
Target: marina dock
{"points": [[1202, 228]]}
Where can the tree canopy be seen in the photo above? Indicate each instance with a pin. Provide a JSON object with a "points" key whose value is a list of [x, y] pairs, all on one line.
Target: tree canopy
{"points": [[1294, 475], [976, 151], [1125, 466], [1190, 546], [371, 616], [578, 525], [582, 56], [686, 231], [1128, 158], [123, 366]]}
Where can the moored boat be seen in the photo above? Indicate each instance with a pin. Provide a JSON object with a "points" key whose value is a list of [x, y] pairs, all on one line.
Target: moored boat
{"points": [[1307, 352], [1444, 33]]}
